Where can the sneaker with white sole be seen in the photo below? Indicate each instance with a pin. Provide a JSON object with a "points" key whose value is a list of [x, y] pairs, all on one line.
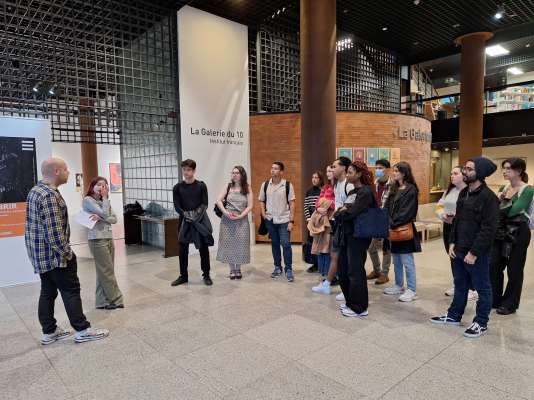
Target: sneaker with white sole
{"points": [[407, 296], [449, 292], [444, 320], [58, 334], [322, 288], [276, 272], [340, 297], [475, 330], [347, 312], [342, 306], [90, 334], [473, 295], [393, 290]]}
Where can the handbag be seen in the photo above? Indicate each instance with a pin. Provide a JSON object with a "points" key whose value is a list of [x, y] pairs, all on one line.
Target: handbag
{"points": [[216, 209], [401, 233], [372, 224], [262, 229]]}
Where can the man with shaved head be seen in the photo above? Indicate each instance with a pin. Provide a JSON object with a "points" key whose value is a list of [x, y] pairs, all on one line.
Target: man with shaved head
{"points": [[47, 242]]}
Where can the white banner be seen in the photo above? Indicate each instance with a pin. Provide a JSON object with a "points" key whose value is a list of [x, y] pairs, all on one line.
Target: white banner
{"points": [[24, 145], [214, 115]]}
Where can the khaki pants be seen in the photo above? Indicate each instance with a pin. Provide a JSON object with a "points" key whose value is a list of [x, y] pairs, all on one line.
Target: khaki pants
{"points": [[107, 290]]}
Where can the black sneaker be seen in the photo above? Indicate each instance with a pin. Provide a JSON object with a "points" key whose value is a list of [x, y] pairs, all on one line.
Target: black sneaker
{"points": [[475, 330], [444, 320], [312, 269], [335, 282], [208, 281], [504, 311], [180, 281]]}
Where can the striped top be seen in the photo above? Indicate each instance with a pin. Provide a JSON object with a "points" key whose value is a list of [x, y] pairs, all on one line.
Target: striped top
{"points": [[310, 200]]}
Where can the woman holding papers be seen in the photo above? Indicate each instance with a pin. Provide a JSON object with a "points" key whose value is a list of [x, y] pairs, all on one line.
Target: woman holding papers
{"points": [[96, 202]]}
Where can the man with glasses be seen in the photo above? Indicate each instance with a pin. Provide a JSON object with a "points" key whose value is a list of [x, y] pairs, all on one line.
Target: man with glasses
{"points": [[472, 235], [382, 185]]}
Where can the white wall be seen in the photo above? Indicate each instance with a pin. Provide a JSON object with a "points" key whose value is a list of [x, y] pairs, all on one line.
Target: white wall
{"points": [[71, 153], [15, 267]]}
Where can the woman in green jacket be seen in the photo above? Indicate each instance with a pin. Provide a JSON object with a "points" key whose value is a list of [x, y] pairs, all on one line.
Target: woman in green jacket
{"points": [[513, 237]]}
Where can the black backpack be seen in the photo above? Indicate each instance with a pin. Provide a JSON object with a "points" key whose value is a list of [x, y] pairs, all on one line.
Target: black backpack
{"points": [[262, 230]]}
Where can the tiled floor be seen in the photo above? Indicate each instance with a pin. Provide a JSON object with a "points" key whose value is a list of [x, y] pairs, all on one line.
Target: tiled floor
{"points": [[262, 339]]}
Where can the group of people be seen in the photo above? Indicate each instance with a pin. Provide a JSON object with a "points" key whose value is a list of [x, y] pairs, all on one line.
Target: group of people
{"points": [[484, 234]]}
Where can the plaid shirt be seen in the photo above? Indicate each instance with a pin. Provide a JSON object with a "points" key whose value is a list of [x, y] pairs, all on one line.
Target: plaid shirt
{"points": [[47, 229], [385, 194]]}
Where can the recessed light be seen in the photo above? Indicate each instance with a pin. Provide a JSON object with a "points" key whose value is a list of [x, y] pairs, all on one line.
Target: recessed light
{"points": [[515, 71], [527, 45], [498, 15], [431, 70], [385, 28], [456, 26], [345, 11], [497, 50], [415, 43]]}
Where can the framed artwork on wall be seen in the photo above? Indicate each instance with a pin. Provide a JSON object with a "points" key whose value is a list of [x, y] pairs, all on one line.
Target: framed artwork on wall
{"points": [[115, 178], [372, 156], [395, 156], [358, 154], [79, 182], [345, 152], [383, 153]]}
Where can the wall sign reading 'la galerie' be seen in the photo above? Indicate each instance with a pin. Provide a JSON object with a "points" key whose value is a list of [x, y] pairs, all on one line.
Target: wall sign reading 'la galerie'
{"points": [[412, 134]]}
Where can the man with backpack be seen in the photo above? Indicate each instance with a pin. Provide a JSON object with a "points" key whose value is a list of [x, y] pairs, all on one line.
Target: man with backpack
{"points": [[277, 200]]}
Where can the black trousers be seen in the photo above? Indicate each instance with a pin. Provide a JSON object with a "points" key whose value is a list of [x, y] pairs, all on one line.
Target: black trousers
{"points": [[183, 256], [447, 240], [352, 275], [514, 266], [66, 281]]}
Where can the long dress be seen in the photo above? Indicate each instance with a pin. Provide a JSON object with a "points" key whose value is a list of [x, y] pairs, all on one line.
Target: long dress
{"points": [[234, 235]]}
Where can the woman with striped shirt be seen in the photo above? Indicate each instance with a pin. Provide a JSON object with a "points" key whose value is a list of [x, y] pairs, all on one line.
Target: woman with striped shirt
{"points": [[309, 207]]}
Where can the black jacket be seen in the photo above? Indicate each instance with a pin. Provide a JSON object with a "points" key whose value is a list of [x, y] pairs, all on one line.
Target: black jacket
{"points": [[402, 208], [364, 198], [475, 223]]}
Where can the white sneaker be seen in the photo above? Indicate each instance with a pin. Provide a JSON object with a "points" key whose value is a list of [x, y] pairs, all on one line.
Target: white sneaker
{"points": [[90, 334], [473, 295], [342, 306], [323, 288], [340, 297], [59, 334], [393, 290], [347, 312], [450, 292], [408, 295]]}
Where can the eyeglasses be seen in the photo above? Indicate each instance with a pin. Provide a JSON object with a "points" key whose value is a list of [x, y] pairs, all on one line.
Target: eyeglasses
{"points": [[468, 169]]}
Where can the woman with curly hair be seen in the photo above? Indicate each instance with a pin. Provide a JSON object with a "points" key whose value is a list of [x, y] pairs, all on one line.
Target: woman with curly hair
{"points": [[353, 251]]}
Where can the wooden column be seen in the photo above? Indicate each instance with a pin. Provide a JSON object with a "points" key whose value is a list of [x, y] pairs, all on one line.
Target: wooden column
{"points": [[473, 69], [88, 136], [317, 88]]}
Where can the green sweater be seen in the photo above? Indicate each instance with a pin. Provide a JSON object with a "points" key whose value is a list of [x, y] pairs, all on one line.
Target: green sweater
{"points": [[520, 202]]}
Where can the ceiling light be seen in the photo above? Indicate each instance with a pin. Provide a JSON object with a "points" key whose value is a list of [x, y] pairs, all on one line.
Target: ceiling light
{"points": [[385, 28], [497, 50], [515, 71], [52, 90], [416, 2], [415, 43], [36, 87], [527, 45], [456, 26], [498, 15]]}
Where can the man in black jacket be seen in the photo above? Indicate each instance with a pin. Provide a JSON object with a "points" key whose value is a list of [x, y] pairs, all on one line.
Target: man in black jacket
{"points": [[191, 202], [472, 235]]}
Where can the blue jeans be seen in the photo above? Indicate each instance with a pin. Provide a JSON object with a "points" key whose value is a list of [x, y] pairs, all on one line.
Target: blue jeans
{"points": [[404, 262], [465, 277], [324, 263], [280, 236]]}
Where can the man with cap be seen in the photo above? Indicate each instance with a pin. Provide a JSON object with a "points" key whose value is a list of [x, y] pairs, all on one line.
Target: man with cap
{"points": [[472, 234]]}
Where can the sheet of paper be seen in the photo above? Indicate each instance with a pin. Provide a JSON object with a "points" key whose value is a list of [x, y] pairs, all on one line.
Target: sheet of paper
{"points": [[84, 218]]}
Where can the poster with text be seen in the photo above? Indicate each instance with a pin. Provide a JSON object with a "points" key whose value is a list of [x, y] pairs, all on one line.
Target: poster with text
{"points": [[115, 178], [358, 154], [372, 156], [18, 174]]}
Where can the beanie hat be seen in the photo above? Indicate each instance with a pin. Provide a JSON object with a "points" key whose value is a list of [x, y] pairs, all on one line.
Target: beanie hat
{"points": [[484, 167]]}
